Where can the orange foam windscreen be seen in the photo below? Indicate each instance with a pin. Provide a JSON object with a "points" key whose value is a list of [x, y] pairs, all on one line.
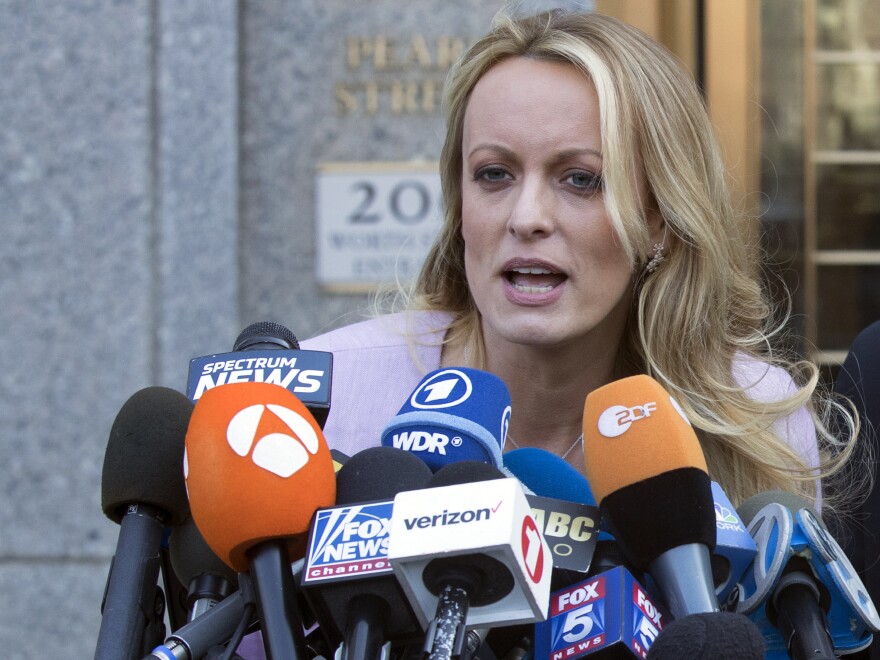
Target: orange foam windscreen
{"points": [[257, 467], [634, 430]]}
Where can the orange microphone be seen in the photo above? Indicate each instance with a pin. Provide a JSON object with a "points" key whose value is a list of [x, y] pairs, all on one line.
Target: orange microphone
{"points": [[648, 473], [257, 468]]}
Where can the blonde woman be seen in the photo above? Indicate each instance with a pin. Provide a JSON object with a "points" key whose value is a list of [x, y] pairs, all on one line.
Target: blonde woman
{"points": [[588, 235]]}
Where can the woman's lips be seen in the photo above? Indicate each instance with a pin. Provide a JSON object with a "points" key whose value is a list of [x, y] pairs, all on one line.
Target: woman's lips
{"points": [[533, 284]]}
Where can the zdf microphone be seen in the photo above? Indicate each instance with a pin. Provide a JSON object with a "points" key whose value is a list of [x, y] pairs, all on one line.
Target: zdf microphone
{"points": [[257, 468], [455, 414], [647, 469]]}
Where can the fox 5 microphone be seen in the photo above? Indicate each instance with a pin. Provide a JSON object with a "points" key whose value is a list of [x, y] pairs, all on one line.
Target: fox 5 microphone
{"points": [[468, 554], [455, 414], [142, 489], [267, 352], [647, 470], [347, 578], [257, 468], [609, 615], [802, 591]]}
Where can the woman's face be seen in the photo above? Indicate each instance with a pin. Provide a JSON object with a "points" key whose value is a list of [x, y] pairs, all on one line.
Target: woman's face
{"points": [[543, 263]]}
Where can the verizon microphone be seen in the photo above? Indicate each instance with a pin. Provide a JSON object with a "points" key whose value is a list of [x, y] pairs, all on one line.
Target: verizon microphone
{"points": [[257, 468], [609, 616], [802, 591], [347, 578], [647, 470], [709, 636], [142, 489], [471, 554], [267, 352], [564, 508], [207, 578], [456, 414]]}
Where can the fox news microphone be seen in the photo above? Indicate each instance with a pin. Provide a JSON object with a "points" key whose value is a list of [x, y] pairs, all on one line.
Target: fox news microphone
{"points": [[468, 554], [267, 352], [647, 469], [142, 490], [347, 578], [455, 414], [709, 636], [207, 578], [802, 591], [257, 468]]}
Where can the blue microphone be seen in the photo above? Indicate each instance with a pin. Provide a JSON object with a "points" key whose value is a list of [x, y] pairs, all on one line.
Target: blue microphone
{"points": [[456, 414], [801, 590]]}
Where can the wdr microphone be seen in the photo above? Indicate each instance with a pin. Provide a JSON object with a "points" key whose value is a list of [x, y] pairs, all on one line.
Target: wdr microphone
{"points": [[647, 470], [257, 468], [142, 489], [347, 577], [267, 352], [802, 591], [455, 414]]}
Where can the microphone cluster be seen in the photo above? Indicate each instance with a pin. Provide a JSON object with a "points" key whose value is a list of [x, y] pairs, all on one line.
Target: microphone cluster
{"points": [[438, 544]]}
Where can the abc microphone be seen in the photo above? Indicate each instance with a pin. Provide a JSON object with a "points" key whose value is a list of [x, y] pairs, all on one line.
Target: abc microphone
{"points": [[267, 352], [455, 414], [257, 468], [647, 469], [142, 489]]}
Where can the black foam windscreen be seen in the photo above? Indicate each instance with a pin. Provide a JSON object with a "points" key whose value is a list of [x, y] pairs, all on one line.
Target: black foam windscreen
{"points": [[464, 472], [265, 334], [143, 463], [682, 512], [709, 636], [191, 556], [379, 473]]}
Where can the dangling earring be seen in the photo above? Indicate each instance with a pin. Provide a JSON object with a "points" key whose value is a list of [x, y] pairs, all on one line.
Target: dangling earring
{"points": [[656, 257]]}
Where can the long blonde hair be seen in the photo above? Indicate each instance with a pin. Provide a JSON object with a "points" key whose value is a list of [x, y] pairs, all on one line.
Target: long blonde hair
{"points": [[704, 306]]}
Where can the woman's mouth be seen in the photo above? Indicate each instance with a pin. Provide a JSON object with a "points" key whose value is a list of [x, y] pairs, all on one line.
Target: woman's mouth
{"points": [[534, 279]]}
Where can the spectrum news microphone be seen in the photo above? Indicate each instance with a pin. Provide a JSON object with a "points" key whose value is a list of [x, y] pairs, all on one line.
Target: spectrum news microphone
{"points": [[142, 490], [802, 591], [468, 554], [454, 414], [257, 468], [347, 578], [268, 352], [647, 470]]}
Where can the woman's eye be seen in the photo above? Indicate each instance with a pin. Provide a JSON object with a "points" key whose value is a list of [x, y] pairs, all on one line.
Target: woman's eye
{"points": [[585, 180], [491, 174]]}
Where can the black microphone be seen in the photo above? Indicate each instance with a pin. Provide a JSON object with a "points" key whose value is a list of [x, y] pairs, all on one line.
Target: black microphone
{"points": [[347, 578], [709, 636], [207, 578], [142, 489]]}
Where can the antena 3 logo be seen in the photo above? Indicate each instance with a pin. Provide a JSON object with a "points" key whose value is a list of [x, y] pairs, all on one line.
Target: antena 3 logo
{"points": [[279, 453], [444, 389]]}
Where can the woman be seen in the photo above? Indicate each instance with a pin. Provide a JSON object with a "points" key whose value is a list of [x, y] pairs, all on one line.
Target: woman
{"points": [[588, 235]]}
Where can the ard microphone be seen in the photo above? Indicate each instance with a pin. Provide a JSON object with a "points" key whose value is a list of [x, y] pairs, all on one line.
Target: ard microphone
{"points": [[647, 470], [455, 414], [468, 554], [267, 352], [347, 578], [142, 489], [257, 468], [709, 636], [802, 591]]}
